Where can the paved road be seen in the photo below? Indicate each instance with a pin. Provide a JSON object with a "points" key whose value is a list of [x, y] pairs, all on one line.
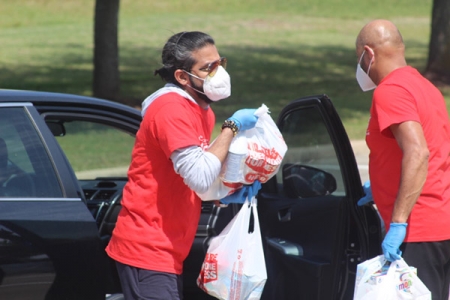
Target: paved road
{"points": [[362, 158]]}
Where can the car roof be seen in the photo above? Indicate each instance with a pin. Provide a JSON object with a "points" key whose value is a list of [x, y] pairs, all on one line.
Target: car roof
{"points": [[52, 99]]}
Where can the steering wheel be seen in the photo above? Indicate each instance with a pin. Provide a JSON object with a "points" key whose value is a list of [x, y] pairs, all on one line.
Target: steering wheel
{"points": [[19, 185]]}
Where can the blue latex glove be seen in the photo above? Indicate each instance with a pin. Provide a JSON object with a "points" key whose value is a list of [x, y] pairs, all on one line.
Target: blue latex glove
{"points": [[247, 191], [368, 197], [392, 241], [244, 118]]}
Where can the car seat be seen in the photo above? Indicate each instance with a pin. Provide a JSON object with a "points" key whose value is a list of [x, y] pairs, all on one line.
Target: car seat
{"points": [[12, 183]]}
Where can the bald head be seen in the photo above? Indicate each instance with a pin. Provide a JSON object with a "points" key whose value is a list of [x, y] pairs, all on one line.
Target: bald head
{"points": [[382, 44], [379, 33]]}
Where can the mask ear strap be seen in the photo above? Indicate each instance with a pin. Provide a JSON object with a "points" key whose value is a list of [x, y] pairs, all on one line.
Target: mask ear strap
{"points": [[362, 55], [371, 60]]}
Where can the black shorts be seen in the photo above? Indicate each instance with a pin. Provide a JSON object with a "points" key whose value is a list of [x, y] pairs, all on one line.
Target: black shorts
{"points": [[432, 260], [145, 284]]}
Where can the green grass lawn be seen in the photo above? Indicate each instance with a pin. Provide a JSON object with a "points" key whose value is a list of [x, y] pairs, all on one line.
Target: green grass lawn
{"points": [[91, 146], [277, 51]]}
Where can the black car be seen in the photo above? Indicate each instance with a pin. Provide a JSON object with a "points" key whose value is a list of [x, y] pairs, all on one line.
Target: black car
{"points": [[63, 164]]}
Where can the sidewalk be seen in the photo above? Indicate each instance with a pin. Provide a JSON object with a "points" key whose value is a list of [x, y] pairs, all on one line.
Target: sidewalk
{"points": [[362, 158]]}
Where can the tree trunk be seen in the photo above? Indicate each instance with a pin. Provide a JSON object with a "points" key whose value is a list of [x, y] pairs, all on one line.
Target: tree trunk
{"points": [[438, 65], [106, 83]]}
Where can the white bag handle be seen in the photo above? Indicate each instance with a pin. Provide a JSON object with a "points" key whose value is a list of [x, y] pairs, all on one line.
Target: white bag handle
{"points": [[375, 264]]}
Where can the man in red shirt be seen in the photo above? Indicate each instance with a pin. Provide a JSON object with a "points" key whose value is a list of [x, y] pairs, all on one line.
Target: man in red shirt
{"points": [[409, 140], [172, 161]]}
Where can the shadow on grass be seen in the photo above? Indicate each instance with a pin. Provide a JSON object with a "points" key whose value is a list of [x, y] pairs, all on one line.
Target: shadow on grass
{"points": [[271, 75]]}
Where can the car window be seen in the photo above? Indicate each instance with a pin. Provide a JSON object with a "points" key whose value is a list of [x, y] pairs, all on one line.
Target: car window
{"points": [[25, 166], [311, 160], [96, 150]]}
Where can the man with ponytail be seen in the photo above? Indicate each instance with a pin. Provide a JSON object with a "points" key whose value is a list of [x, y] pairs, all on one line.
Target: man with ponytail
{"points": [[172, 161]]}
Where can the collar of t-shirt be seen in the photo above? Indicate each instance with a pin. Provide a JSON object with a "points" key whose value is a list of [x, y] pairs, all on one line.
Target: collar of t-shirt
{"points": [[168, 88]]}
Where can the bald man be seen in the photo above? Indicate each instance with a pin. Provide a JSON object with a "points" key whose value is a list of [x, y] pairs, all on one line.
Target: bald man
{"points": [[409, 164]]}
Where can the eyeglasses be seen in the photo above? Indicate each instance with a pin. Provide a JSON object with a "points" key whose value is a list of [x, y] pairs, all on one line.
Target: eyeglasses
{"points": [[212, 67]]}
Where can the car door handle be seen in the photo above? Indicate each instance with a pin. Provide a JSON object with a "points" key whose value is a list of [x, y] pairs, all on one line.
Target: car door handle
{"points": [[285, 247], [284, 215]]}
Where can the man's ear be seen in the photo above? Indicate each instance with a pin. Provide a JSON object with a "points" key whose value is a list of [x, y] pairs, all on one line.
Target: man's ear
{"points": [[182, 77], [369, 51]]}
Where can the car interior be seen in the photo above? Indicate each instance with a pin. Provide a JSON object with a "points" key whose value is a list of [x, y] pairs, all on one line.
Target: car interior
{"points": [[22, 173], [13, 181]]}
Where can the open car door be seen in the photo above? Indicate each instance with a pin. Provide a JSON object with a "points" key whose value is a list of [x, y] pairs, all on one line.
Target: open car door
{"points": [[313, 232]]}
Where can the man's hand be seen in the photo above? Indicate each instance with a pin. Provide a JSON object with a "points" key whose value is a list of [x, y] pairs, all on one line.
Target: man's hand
{"points": [[368, 197], [244, 118], [247, 191], [392, 241]]}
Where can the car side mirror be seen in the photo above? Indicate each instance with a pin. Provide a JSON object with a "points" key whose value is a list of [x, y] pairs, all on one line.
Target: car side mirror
{"points": [[300, 181], [57, 128]]}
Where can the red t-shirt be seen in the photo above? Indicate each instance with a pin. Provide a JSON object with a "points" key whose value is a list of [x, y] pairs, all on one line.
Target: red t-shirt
{"points": [[405, 95], [160, 213]]}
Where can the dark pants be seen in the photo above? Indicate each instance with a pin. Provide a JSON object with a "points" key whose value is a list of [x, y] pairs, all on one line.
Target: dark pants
{"points": [[432, 260], [140, 284]]}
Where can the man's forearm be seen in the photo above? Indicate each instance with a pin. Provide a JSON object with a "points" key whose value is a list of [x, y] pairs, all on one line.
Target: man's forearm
{"points": [[411, 140], [221, 144], [413, 177]]}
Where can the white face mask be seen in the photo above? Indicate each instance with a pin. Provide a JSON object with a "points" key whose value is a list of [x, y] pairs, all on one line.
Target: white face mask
{"points": [[364, 81], [217, 87]]}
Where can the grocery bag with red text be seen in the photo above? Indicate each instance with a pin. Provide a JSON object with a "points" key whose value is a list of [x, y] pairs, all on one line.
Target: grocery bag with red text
{"points": [[234, 266], [254, 154], [377, 279], [259, 152]]}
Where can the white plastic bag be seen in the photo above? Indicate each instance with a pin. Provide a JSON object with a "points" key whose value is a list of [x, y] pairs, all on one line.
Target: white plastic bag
{"points": [[255, 154], [234, 266], [376, 279], [265, 151]]}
